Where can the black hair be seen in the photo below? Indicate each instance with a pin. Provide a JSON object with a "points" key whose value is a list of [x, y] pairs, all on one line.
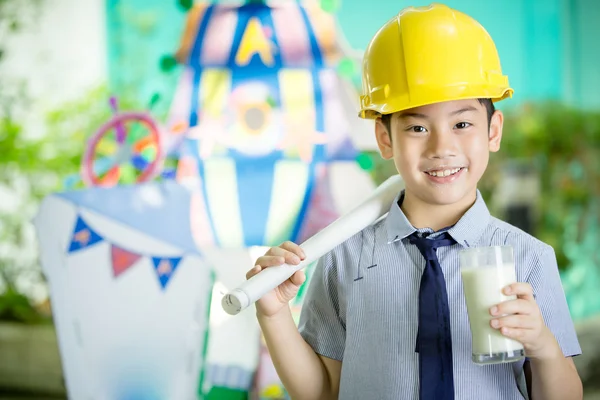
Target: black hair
{"points": [[386, 119]]}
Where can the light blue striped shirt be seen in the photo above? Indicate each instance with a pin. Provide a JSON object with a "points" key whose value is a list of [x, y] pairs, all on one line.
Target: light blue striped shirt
{"points": [[361, 307]]}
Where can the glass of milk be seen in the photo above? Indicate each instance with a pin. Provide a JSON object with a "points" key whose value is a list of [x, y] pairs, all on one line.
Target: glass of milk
{"points": [[485, 272]]}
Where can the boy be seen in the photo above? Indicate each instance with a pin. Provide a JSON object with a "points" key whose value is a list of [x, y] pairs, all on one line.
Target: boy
{"points": [[367, 330]]}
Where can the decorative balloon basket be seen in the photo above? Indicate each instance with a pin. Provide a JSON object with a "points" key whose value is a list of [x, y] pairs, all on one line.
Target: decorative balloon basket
{"points": [[130, 292]]}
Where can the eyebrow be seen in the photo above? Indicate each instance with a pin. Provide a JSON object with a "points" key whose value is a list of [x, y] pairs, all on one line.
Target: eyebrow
{"points": [[413, 115], [463, 110], [423, 116]]}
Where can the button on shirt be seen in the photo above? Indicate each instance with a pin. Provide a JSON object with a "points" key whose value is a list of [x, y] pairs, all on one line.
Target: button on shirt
{"points": [[361, 307]]}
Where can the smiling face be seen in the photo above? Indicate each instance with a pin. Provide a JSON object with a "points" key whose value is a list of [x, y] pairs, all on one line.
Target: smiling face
{"points": [[441, 150]]}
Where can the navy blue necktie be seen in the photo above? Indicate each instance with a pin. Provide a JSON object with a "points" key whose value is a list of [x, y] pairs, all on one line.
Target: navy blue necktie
{"points": [[434, 339]]}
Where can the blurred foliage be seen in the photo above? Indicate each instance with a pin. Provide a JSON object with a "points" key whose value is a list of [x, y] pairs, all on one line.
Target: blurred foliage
{"points": [[16, 307], [33, 165], [15, 14], [582, 279], [185, 4]]}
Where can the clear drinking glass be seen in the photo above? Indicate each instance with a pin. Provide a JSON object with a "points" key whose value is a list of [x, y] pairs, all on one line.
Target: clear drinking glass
{"points": [[485, 271]]}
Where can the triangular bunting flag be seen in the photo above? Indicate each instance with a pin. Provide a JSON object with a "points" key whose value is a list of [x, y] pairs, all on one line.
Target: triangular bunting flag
{"points": [[165, 267], [83, 236], [122, 259]]}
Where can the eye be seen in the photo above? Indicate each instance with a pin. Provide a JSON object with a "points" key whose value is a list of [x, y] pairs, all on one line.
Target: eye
{"points": [[462, 125], [417, 129]]}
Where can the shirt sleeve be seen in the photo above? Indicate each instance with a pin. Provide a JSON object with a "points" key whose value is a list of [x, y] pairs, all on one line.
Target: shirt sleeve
{"points": [[551, 299], [320, 323]]}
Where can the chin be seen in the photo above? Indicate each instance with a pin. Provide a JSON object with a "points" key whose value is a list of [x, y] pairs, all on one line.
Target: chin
{"points": [[445, 195]]}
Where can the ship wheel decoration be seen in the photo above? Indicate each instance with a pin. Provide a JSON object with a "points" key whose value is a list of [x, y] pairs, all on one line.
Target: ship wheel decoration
{"points": [[126, 149]]}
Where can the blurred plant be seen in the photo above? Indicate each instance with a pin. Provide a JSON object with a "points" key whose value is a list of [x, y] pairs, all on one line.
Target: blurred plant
{"points": [[14, 16], [185, 4], [30, 169], [582, 279]]}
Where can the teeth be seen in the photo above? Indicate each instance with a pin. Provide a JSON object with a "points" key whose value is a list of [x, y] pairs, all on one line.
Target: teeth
{"points": [[446, 172]]}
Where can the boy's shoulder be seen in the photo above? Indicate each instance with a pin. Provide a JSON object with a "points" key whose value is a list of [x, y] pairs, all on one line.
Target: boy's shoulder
{"points": [[529, 252], [369, 233], [506, 232], [350, 248]]}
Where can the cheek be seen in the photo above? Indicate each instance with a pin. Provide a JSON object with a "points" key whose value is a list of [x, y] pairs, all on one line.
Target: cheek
{"points": [[477, 151], [406, 157]]}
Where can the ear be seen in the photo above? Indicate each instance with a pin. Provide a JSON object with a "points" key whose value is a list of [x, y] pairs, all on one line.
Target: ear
{"points": [[384, 140], [495, 134]]}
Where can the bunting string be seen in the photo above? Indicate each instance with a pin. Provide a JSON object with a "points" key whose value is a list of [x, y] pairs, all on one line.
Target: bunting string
{"points": [[85, 237]]}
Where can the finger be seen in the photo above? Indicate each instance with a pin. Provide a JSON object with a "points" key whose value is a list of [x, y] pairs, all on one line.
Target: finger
{"points": [[518, 334], [269, 261], [253, 271], [521, 289], [518, 306], [286, 291], [514, 322], [294, 248], [298, 278], [289, 256]]}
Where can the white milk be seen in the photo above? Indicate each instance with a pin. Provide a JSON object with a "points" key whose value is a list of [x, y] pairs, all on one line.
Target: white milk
{"points": [[483, 289]]}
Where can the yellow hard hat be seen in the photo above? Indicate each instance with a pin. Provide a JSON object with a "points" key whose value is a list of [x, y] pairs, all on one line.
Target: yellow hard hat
{"points": [[427, 55]]}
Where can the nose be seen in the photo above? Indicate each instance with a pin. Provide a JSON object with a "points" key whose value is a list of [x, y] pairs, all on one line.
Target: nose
{"points": [[441, 144]]}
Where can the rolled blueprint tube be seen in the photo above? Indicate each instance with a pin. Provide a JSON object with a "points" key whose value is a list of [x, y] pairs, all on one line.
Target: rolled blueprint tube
{"points": [[366, 213]]}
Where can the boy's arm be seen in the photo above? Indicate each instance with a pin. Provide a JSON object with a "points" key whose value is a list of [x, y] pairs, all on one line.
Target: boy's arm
{"points": [[553, 379], [553, 376], [540, 319], [305, 374], [307, 358]]}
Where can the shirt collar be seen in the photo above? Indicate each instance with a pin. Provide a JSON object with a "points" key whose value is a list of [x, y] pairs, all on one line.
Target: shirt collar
{"points": [[466, 231], [397, 225]]}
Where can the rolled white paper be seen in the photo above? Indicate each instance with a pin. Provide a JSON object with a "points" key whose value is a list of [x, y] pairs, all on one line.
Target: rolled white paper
{"points": [[366, 213]]}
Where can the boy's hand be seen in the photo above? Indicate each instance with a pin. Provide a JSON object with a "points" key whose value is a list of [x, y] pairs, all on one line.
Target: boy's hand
{"points": [[523, 322], [274, 301]]}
